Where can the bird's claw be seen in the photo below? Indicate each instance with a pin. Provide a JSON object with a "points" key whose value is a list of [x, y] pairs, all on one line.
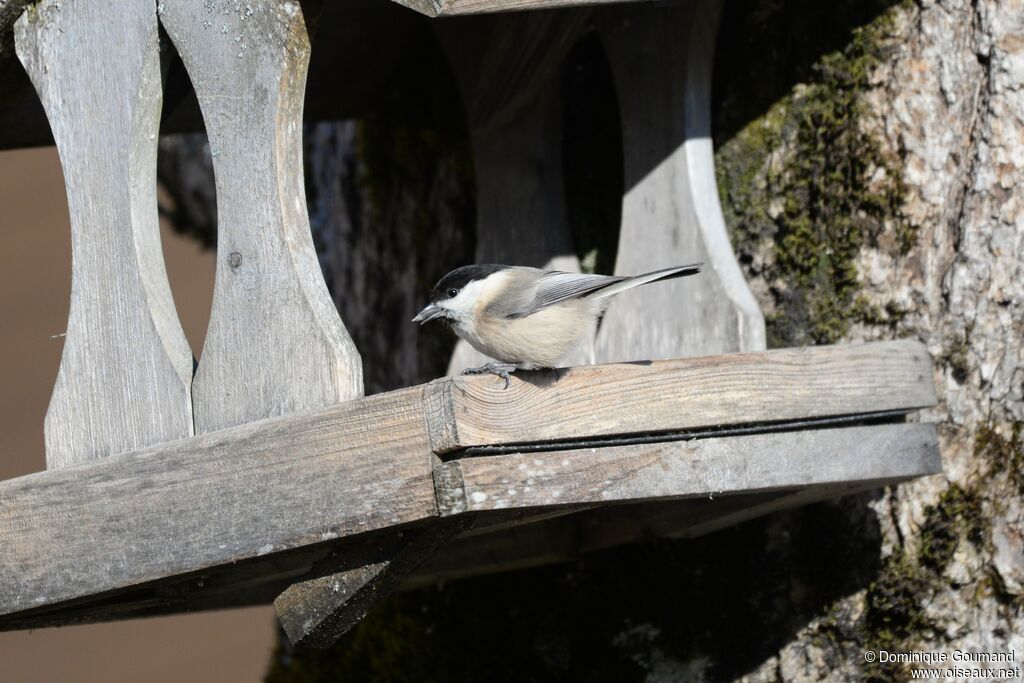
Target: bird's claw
{"points": [[502, 370]]}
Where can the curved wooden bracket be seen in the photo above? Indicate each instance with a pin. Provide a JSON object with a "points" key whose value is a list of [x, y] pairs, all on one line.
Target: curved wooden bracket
{"points": [[661, 58], [125, 374], [275, 343]]}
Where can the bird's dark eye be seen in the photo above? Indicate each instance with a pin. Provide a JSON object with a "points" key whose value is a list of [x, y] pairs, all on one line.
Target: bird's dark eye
{"points": [[452, 293]]}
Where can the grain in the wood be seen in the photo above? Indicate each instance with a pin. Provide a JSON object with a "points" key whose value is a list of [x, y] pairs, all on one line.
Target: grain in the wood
{"points": [[266, 487], [664, 396], [275, 343], [126, 370], [661, 59], [697, 468]]}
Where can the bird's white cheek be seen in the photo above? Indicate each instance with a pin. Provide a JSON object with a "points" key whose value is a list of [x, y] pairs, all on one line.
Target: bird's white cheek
{"points": [[463, 306], [456, 310]]}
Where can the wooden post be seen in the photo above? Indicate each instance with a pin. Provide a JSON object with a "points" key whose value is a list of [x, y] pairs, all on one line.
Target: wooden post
{"points": [[126, 371], [661, 58], [275, 343]]}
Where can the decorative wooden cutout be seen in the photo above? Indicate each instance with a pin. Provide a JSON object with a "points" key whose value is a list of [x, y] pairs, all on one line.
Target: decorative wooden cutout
{"points": [[126, 370], [661, 58], [275, 344]]}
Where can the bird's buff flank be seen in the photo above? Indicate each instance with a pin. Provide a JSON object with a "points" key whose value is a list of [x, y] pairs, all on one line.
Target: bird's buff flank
{"points": [[527, 318]]}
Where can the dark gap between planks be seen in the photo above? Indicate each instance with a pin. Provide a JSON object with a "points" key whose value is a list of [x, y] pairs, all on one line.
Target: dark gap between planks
{"points": [[853, 420]]}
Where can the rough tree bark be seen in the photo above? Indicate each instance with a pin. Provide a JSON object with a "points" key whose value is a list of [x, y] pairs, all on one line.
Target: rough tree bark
{"points": [[869, 166]]}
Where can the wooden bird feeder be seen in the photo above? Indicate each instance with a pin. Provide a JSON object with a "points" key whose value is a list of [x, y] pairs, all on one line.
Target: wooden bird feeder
{"points": [[265, 475]]}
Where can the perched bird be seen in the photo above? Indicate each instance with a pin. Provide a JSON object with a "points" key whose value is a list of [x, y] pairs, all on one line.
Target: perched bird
{"points": [[527, 318]]}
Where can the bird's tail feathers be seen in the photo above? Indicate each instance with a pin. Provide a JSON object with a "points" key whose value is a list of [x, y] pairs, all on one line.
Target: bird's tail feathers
{"points": [[647, 278]]}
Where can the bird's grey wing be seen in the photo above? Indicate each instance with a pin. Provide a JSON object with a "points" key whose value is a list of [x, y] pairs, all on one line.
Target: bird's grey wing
{"points": [[555, 286]]}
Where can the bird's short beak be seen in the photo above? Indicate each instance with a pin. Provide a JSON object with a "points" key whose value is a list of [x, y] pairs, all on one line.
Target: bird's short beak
{"points": [[429, 313]]}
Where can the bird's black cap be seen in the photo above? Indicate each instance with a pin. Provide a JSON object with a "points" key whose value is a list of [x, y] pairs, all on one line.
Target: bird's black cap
{"points": [[460, 277]]}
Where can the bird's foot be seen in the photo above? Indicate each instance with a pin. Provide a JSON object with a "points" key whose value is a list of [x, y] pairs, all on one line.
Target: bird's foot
{"points": [[502, 370]]}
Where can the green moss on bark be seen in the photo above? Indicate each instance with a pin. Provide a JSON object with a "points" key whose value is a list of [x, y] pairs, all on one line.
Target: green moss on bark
{"points": [[896, 618], [806, 186], [1003, 453]]}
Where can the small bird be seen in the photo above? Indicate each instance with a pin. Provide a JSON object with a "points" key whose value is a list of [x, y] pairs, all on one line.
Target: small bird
{"points": [[528, 318]]}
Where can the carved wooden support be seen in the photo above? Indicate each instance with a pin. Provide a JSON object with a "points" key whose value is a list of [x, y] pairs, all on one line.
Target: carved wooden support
{"points": [[275, 344], [661, 58], [125, 375]]}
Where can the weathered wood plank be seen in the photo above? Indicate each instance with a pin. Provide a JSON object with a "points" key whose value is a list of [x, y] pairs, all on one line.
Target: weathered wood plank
{"points": [[661, 58], [275, 343], [700, 467], [158, 530], [256, 581], [240, 493], [126, 370], [658, 396]]}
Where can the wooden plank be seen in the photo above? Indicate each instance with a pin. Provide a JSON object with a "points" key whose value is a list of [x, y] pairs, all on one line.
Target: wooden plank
{"points": [[158, 531], [126, 370], [246, 492], [275, 343], [661, 396], [701, 467], [661, 59], [254, 581]]}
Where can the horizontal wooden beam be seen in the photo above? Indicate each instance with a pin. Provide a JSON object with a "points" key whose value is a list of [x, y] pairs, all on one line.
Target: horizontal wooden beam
{"points": [[229, 517], [697, 468], [215, 499], [674, 395], [835, 466]]}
